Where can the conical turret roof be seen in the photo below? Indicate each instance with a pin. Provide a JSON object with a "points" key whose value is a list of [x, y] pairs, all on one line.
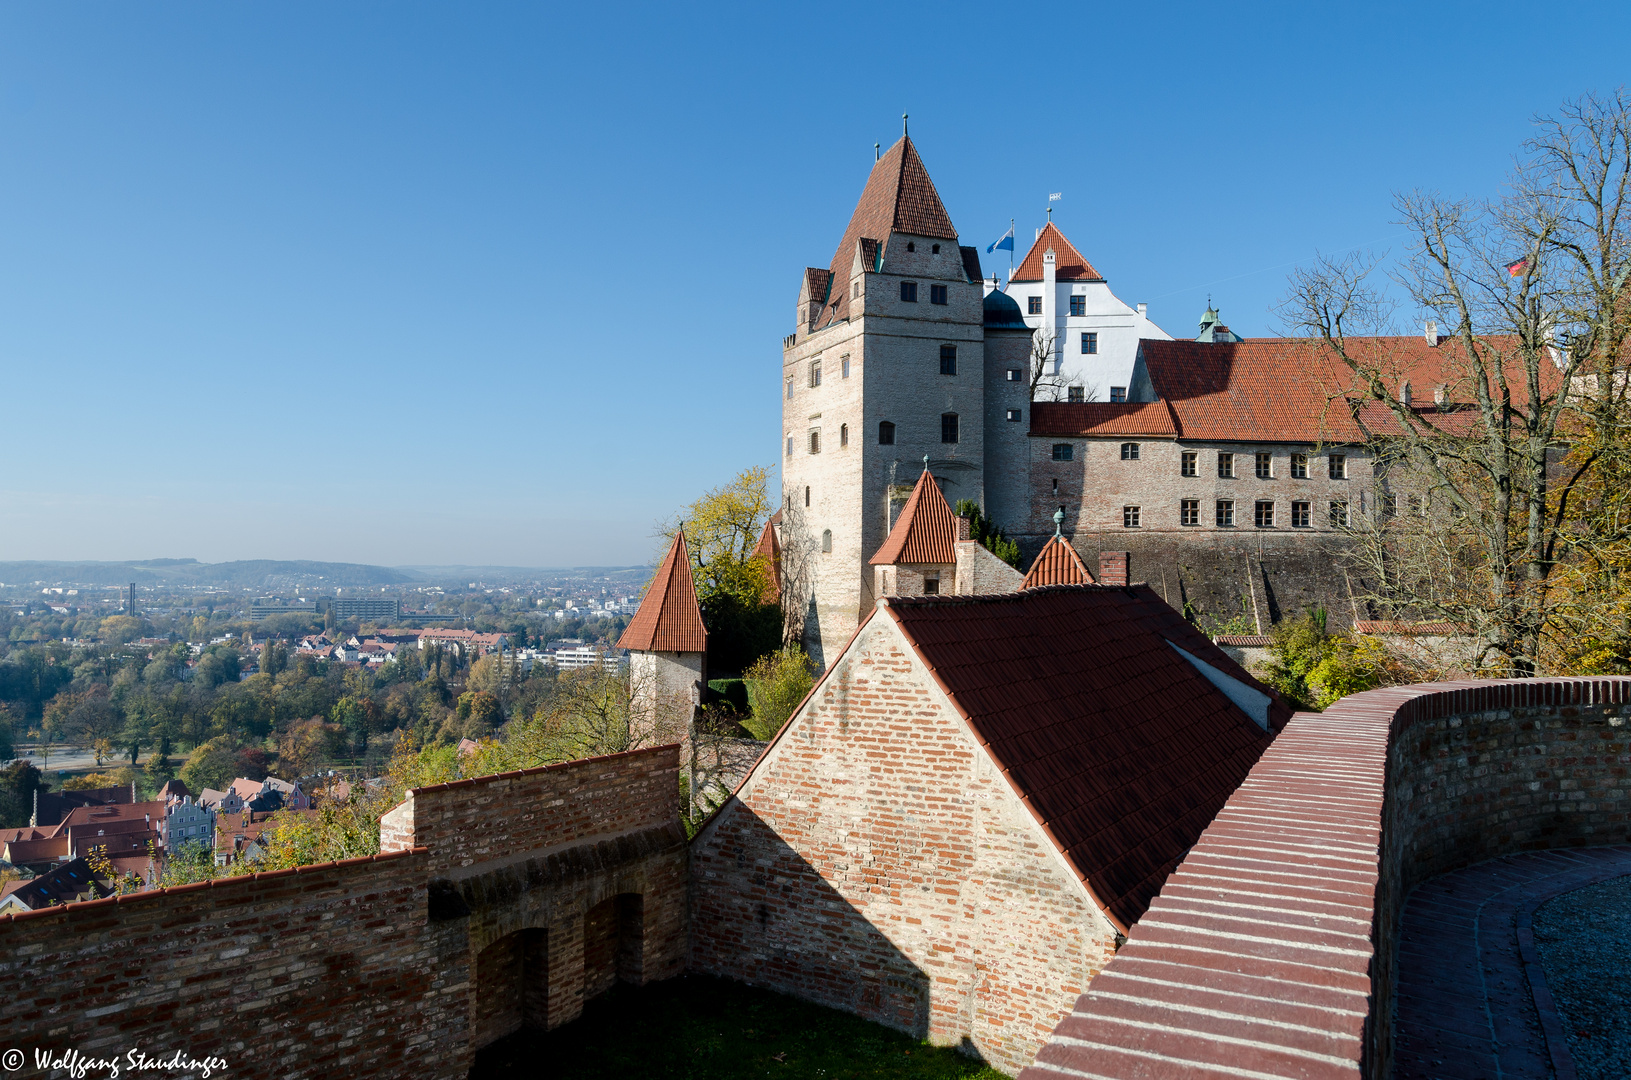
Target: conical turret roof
{"points": [[1057, 564], [669, 619], [925, 532]]}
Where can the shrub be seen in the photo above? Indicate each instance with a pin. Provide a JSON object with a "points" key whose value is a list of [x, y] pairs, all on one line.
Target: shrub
{"points": [[776, 684]]}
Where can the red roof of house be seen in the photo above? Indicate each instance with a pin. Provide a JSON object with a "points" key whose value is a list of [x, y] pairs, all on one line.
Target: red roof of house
{"points": [[1068, 263], [669, 619], [1119, 746], [82, 817], [925, 532], [898, 197], [1057, 564], [1103, 418], [1295, 389], [1406, 629], [770, 549]]}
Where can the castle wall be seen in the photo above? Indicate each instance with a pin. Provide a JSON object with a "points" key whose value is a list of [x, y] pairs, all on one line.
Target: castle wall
{"points": [[322, 971], [664, 690], [878, 862]]}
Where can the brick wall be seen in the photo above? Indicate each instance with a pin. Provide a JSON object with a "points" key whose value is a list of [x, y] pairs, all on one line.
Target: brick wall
{"points": [[492, 818], [1271, 948], [877, 862], [317, 972]]}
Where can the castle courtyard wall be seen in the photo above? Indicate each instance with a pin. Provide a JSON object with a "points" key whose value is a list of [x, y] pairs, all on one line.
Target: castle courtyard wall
{"points": [[877, 862]]}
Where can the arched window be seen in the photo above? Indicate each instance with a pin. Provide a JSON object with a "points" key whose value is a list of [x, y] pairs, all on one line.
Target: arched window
{"points": [[886, 433], [843, 435], [826, 540], [935, 250]]}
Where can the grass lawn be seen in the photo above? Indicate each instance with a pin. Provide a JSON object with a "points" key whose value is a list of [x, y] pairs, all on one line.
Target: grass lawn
{"points": [[712, 1029]]}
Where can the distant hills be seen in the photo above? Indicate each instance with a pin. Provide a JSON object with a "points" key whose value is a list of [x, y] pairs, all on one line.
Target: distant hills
{"points": [[274, 574]]}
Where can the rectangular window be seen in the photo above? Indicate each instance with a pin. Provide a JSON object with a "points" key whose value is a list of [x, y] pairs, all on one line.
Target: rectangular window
{"points": [[1078, 306], [789, 387], [815, 441], [1190, 511], [1090, 342], [843, 435], [1265, 514], [1226, 466], [937, 294], [855, 290], [815, 372], [1034, 305], [1265, 466], [789, 446], [886, 433], [908, 292], [948, 359], [1076, 394], [843, 368], [948, 427], [1299, 466], [1016, 374], [1226, 513], [1129, 451], [1339, 514], [931, 586], [1339, 467], [1063, 451], [1129, 517], [1415, 505], [1118, 394], [1013, 414], [1300, 515], [1189, 463]]}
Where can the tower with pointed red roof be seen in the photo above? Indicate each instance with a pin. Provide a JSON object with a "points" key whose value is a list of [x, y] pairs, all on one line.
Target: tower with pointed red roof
{"points": [[929, 552], [668, 646], [888, 362]]}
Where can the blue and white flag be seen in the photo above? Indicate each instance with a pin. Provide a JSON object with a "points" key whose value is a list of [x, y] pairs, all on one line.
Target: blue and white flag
{"points": [[1055, 196], [1004, 243]]}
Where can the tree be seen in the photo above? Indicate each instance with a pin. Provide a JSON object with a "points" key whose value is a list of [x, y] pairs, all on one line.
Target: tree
{"points": [[722, 529], [1533, 290], [776, 685], [982, 531], [212, 765], [1046, 382], [18, 782], [121, 628]]}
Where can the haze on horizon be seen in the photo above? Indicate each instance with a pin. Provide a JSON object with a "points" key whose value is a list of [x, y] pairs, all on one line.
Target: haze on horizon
{"points": [[505, 286]]}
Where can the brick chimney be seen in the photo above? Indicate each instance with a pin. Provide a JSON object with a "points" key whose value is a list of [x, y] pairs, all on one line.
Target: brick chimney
{"points": [[964, 528], [1430, 331], [1113, 567]]}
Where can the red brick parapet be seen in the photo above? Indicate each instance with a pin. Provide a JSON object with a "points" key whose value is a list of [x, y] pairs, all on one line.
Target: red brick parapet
{"points": [[1271, 948]]}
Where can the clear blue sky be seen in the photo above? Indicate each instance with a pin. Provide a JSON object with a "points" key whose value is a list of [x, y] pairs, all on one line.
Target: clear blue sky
{"points": [[478, 283]]}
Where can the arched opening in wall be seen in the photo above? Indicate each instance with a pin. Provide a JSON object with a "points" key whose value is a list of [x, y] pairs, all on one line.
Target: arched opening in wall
{"points": [[613, 944], [512, 987]]}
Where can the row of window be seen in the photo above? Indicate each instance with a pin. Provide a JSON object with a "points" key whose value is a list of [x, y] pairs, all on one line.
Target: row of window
{"points": [[886, 432], [1189, 514], [1078, 308], [908, 293], [1076, 394], [1336, 465], [814, 374]]}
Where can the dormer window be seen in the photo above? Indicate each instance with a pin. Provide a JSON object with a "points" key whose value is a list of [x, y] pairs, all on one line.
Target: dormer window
{"points": [[908, 292]]}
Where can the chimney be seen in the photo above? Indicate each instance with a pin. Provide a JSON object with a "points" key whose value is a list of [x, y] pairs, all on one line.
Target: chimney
{"points": [[964, 528], [1440, 392], [1404, 391], [1143, 311], [1431, 332], [1050, 265], [1113, 567]]}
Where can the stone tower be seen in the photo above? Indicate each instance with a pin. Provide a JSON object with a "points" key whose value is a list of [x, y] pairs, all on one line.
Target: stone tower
{"points": [[668, 647], [886, 365]]}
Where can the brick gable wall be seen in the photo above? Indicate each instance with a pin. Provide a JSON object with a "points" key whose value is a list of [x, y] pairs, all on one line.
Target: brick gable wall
{"points": [[876, 862]]}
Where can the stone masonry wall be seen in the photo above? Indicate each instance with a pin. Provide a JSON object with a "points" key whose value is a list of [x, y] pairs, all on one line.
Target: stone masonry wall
{"points": [[471, 823], [318, 972], [877, 862]]}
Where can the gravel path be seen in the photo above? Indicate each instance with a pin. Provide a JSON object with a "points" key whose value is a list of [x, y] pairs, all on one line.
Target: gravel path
{"points": [[1584, 938]]}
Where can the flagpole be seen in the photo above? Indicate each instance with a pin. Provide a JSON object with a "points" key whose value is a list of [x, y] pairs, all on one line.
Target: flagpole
{"points": [[1011, 244]]}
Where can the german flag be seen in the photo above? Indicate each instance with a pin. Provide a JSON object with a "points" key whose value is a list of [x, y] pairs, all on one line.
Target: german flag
{"points": [[1516, 269]]}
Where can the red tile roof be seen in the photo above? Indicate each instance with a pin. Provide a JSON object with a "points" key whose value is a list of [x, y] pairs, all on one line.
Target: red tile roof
{"points": [[770, 549], [1406, 629], [1122, 750], [1244, 641], [82, 817], [898, 197], [669, 619], [1295, 390], [1103, 418], [1068, 263], [925, 532], [1057, 564]]}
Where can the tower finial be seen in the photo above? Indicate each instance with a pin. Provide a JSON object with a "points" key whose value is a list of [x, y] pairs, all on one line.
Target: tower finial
{"points": [[903, 125], [1050, 215], [875, 154], [1058, 520], [925, 462]]}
